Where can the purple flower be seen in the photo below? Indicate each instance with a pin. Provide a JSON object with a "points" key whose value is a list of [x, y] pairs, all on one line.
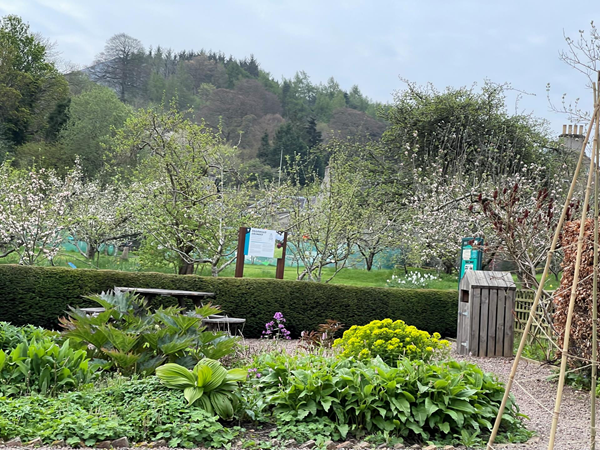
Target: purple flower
{"points": [[278, 316]]}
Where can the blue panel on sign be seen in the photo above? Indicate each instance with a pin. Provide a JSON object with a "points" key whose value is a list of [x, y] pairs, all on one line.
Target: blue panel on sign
{"points": [[246, 241]]}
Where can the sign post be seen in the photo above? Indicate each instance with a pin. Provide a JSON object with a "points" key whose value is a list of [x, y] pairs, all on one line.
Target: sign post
{"points": [[262, 243], [471, 251]]}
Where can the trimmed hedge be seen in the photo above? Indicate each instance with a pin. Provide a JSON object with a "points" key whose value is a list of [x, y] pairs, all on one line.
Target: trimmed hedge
{"points": [[39, 295]]}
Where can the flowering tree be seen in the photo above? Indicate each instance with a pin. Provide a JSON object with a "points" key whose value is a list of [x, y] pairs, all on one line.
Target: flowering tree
{"points": [[324, 221], [99, 214], [437, 213], [186, 205], [32, 212]]}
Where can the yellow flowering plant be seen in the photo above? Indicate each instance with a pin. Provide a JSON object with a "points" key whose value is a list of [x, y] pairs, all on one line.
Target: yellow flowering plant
{"points": [[390, 340]]}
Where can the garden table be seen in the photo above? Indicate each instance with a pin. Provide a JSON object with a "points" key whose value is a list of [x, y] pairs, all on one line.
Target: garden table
{"points": [[196, 297]]}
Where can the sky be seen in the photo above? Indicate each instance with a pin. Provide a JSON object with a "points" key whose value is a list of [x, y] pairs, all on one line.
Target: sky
{"points": [[372, 43]]}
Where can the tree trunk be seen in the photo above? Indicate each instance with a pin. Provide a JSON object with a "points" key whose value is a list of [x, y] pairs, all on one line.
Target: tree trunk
{"points": [[186, 268], [90, 252], [369, 261]]}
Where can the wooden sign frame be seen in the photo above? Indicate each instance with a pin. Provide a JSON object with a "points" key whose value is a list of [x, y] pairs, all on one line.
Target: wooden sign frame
{"points": [[239, 264]]}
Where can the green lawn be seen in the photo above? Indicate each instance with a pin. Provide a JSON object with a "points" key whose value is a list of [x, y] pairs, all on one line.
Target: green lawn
{"points": [[348, 276], [351, 277]]}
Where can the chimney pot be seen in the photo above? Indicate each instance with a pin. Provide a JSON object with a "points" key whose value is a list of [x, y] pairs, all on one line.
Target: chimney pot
{"points": [[570, 129], [580, 129], [564, 129]]}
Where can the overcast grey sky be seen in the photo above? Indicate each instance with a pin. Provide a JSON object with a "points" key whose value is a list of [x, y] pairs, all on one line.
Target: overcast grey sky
{"points": [[370, 43]]}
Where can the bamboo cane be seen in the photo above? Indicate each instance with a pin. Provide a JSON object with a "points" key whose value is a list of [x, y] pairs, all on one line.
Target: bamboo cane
{"points": [[567, 336], [595, 288], [540, 288]]}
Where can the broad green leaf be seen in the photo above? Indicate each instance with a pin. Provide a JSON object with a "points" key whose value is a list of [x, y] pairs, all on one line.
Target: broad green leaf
{"points": [[236, 375], [203, 375], [430, 407], [192, 394], [462, 405], [445, 427], [221, 405], [440, 384], [343, 429], [218, 374], [176, 376]]}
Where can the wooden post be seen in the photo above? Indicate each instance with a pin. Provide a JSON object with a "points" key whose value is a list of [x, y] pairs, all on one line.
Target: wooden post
{"points": [[239, 263], [540, 289], [281, 261], [595, 282], [573, 298]]}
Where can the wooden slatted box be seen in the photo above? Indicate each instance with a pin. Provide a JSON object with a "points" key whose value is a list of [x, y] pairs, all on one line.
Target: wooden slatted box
{"points": [[486, 303]]}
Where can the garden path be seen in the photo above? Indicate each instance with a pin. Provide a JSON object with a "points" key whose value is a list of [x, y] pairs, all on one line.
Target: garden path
{"points": [[535, 396]]}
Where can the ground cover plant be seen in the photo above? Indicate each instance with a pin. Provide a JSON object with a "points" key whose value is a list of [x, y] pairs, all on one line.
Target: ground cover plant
{"points": [[142, 410], [414, 400]]}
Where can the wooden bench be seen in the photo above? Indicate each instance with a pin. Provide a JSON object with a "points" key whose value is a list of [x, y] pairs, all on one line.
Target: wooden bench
{"points": [[196, 297], [231, 325]]}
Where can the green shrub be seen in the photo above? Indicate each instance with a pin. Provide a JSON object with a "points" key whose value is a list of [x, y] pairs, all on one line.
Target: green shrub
{"points": [[11, 336], [209, 384], [415, 400], [39, 295], [134, 339], [390, 341], [142, 410], [43, 367]]}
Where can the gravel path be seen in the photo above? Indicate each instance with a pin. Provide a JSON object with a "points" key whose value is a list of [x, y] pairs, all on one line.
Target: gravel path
{"points": [[536, 396]]}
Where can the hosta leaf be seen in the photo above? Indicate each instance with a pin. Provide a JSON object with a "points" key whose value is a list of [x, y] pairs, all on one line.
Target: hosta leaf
{"points": [[326, 402], [401, 403], [221, 405], [414, 427], [440, 384], [420, 414], [219, 374], [203, 375], [430, 407], [176, 376], [409, 396], [466, 393], [462, 405], [192, 394]]}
